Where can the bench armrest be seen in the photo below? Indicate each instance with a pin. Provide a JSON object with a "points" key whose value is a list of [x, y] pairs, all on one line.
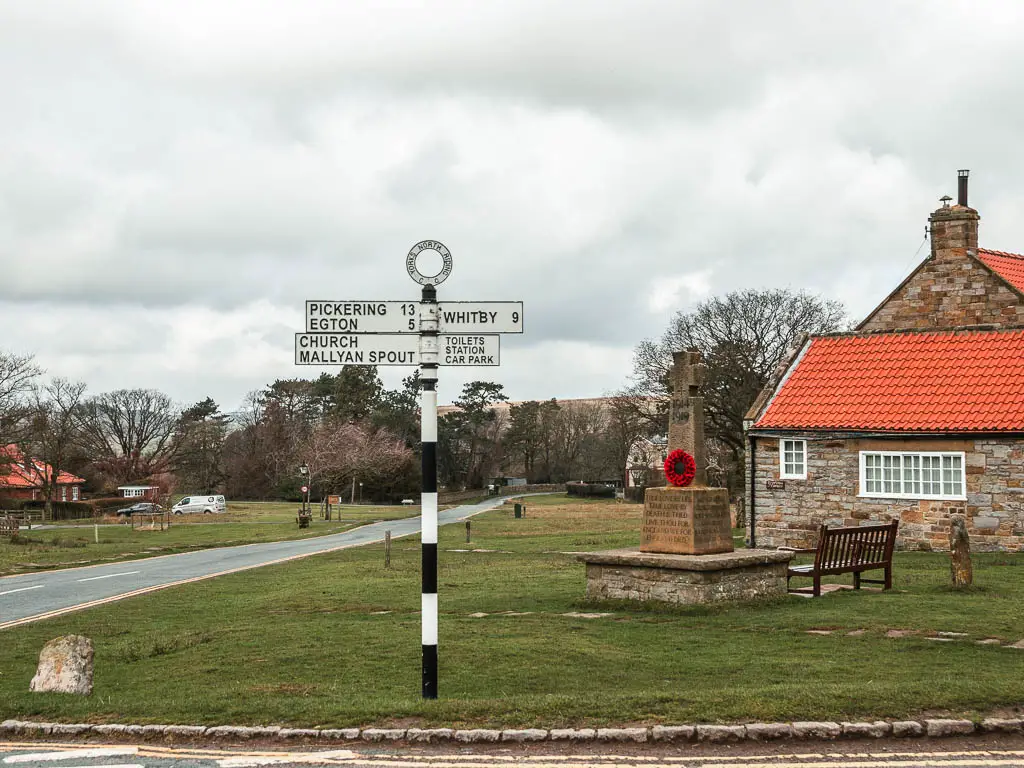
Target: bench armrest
{"points": [[798, 550]]}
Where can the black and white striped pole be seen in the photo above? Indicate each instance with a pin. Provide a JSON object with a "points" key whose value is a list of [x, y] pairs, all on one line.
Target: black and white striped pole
{"points": [[428, 434]]}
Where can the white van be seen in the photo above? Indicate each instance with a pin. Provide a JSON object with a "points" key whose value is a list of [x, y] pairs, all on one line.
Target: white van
{"points": [[205, 504]]}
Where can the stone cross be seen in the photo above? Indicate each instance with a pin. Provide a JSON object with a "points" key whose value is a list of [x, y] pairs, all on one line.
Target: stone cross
{"points": [[686, 410]]}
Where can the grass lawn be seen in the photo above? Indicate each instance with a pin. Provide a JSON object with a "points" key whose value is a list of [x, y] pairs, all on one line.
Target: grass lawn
{"points": [[243, 523], [333, 640]]}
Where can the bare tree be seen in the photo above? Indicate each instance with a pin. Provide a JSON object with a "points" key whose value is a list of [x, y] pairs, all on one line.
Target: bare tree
{"points": [[54, 431], [577, 430], [130, 433], [743, 337], [18, 374]]}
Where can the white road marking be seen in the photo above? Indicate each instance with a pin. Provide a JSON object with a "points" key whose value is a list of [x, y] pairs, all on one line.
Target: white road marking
{"points": [[109, 576], [71, 754], [255, 761], [22, 589]]}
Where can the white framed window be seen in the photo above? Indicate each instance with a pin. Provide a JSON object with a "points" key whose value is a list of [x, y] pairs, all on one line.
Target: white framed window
{"points": [[74, 493], [792, 459], [913, 475], [63, 493]]}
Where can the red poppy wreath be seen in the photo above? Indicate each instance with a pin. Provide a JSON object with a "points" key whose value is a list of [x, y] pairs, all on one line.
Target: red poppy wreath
{"points": [[680, 468]]}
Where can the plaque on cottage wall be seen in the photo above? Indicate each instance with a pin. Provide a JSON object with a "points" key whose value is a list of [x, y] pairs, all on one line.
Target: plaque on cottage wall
{"points": [[775, 485]]}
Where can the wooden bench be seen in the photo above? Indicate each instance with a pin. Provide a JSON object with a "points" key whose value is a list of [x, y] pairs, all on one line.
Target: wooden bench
{"points": [[851, 550]]}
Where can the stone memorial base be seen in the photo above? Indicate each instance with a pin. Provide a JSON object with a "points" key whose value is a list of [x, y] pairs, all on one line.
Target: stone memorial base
{"points": [[628, 574], [686, 521]]}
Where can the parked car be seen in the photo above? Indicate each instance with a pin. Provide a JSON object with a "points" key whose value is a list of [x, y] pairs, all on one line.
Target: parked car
{"points": [[144, 508], [205, 504]]}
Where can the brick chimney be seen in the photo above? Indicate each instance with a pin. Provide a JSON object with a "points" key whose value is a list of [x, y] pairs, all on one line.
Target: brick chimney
{"points": [[954, 228]]}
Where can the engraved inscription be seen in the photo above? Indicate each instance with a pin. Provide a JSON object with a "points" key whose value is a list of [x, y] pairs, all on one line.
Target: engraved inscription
{"points": [[686, 521]]}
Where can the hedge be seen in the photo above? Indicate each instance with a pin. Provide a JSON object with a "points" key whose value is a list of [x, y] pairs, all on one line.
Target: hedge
{"points": [[594, 490]]}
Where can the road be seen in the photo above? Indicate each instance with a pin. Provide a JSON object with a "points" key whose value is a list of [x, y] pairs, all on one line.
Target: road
{"points": [[835, 755], [34, 596]]}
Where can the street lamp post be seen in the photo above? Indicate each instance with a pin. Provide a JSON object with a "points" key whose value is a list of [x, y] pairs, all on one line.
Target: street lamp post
{"points": [[304, 471], [360, 493]]}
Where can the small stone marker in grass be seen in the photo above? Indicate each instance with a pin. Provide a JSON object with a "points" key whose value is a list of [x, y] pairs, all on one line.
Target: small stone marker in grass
{"points": [[960, 568], [65, 666]]}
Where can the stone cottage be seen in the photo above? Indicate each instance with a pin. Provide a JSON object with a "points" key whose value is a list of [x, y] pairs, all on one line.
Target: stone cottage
{"points": [[915, 415]]}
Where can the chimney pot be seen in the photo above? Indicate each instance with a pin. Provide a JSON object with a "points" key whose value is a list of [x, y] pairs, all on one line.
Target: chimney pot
{"points": [[954, 229], [961, 198]]}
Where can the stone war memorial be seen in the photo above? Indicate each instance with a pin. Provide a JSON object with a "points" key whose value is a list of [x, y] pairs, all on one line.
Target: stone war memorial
{"points": [[686, 554]]}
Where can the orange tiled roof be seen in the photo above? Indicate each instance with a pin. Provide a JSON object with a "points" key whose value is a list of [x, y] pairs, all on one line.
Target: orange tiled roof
{"points": [[14, 473], [1009, 266], [966, 381]]}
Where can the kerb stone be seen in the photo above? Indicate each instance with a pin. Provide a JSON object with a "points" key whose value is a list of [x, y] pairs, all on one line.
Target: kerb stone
{"points": [[672, 732], [383, 734], [477, 735], [339, 734], [622, 734], [572, 734], [948, 727], [769, 731], [298, 733], [907, 728], [720, 734], [815, 730], [1001, 725], [427, 735], [525, 734], [876, 730]]}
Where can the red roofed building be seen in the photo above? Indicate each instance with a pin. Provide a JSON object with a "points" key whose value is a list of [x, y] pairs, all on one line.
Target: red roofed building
{"points": [[917, 415], [26, 478]]}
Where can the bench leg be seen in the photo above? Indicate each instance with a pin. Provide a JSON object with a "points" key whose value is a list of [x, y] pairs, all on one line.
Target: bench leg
{"points": [[856, 580], [888, 577], [817, 585]]}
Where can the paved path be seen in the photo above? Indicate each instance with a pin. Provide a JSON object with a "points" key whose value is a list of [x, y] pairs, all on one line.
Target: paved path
{"points": [[33, 596]]}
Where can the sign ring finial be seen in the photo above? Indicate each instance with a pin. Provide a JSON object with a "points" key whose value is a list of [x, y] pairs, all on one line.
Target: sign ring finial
{"points": [[446, 262]]}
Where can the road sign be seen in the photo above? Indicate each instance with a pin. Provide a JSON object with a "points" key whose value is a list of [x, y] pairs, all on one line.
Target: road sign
{"points": [[469, 349], [393, 349], [305, 489], [403, 317], [480, 316], [362, 317]]}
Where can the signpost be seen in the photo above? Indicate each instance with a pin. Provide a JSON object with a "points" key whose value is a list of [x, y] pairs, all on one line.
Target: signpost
{"points": [[427, 334]]}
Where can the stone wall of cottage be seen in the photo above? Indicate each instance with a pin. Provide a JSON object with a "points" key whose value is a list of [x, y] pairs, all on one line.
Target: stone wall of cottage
{"points": [[791, 516], [949, 294]]}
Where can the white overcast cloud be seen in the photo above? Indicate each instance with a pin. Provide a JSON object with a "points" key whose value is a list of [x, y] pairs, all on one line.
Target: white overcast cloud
{"points": [[176, 178]]}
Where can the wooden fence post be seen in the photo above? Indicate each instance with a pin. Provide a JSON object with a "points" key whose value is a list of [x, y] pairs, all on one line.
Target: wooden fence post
{"points": [[387, 549]]}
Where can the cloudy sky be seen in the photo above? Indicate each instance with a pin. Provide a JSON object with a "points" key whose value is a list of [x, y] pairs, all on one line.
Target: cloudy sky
{"points": [[176, 178]]}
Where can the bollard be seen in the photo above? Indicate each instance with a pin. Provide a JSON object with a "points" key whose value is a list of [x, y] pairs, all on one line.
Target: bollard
{"points": [[524, 510], [467, 531], [519, 511], [96, 531], [387, 549]]}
